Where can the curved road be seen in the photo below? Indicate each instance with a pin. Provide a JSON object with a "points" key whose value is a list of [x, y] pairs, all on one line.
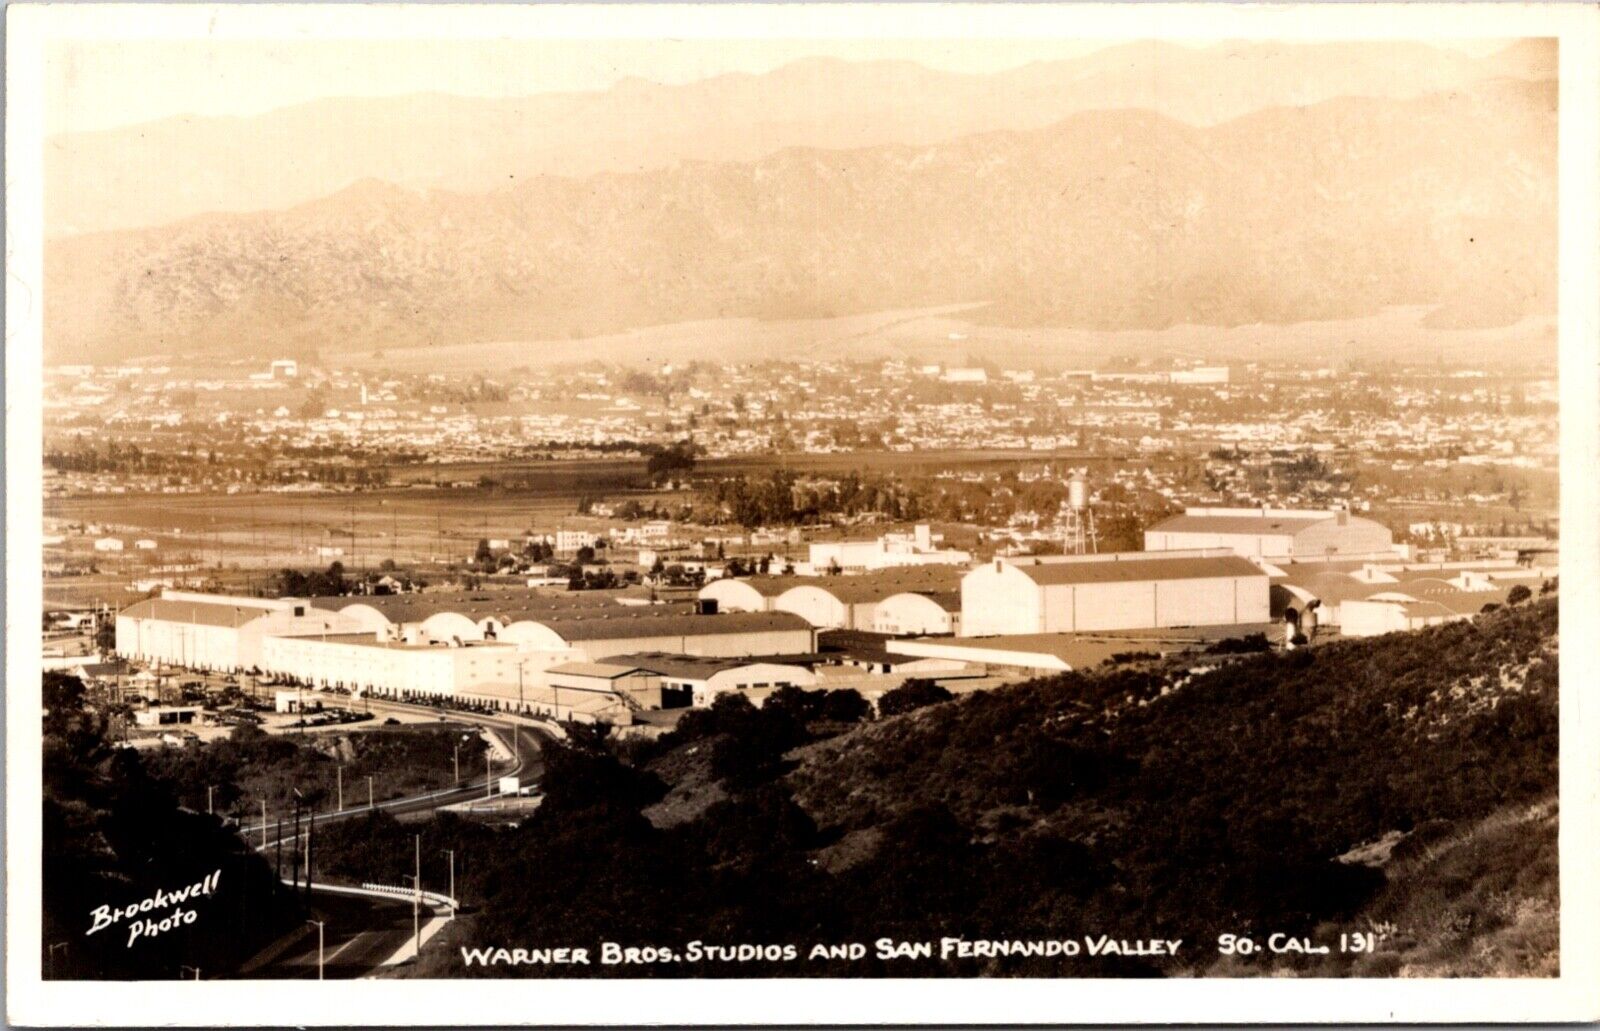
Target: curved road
{"points": [[529, 769], [360, 932]]}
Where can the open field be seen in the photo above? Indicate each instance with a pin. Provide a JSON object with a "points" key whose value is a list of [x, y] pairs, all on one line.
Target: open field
{"points": [[949, 334], [422, 525]]}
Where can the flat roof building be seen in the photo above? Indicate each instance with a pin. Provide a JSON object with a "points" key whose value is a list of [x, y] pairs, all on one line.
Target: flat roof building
{"points": [[1125, 590], [1271, 533]]}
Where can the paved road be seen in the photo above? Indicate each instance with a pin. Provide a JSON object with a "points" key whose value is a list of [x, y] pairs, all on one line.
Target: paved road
{"points": [[529, 767], [359, 934]]}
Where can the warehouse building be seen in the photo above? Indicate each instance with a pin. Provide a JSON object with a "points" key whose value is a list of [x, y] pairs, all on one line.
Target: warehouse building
{"points": [[636, 688], [363, 662], [750, 593], [918, 613], [460, 617], [702, 679], [216, 632], [851, 602], [1272, 533], [599, 636], [1121, 591], [920, 547], [1414, 605]]}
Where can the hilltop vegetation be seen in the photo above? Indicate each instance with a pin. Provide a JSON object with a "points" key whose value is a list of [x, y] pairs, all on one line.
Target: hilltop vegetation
{"points": [[1364, 784], [114, 836]]}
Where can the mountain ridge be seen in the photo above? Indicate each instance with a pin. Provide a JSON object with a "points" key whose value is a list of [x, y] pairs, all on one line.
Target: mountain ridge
{"points": [[123, 177], [1105, 219]]}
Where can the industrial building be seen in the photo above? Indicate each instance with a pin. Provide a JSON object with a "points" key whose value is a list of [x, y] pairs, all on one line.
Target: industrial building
{"points": [[926, 599], [452, 645], [1272, 533], [1319, 593], [637, 688], [720, 635], [701, 679], [1124, 590], [216, 632], [1414, 605], [920, 547], [750, 593], [918, 613], [363, 662]]}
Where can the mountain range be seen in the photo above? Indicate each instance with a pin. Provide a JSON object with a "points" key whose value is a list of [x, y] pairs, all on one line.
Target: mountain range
{"points": [[1438, 187]]}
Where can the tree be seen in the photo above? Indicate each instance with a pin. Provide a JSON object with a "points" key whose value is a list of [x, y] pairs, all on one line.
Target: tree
{"points": [[1519, 594], [912, 695], [844, 706]]}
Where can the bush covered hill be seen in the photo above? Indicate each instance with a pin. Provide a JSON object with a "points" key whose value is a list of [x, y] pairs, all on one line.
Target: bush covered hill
{"points": [[1403, 785], [114, 836], [250, 766]]}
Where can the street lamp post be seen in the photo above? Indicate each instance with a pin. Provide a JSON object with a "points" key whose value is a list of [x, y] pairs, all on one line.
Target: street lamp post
{"points": [[452, 854], [369, 791], [320, 940], [339, 773]]}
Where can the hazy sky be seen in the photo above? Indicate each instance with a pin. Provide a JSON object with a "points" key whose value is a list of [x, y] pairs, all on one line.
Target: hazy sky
{"points": [[100, 84]]}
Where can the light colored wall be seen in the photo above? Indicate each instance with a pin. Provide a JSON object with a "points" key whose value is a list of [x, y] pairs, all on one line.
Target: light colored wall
{"points": [[766, 642], [1000, 601], [816, 606], [735, 596], [910, 613], [286, 624], [447, 626], [1358, 536], [192, 646], [1249, 545], [1370, 618]]}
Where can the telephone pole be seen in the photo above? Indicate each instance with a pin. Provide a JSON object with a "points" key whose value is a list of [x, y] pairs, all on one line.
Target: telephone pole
{"points": [[319, 924], [416, 904], [452, 854]]}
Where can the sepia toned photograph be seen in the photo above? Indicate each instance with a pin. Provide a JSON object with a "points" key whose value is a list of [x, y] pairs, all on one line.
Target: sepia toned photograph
{"points": [[584, 501]]}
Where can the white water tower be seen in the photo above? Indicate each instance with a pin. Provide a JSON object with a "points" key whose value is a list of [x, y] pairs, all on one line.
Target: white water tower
{"points": [[1079, 535]]}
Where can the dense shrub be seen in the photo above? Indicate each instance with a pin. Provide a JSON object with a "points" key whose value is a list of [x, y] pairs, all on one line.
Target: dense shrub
{"points": [[911, 695]]}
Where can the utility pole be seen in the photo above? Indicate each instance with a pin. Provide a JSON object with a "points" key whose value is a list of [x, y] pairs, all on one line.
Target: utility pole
{"points": [[294, 852], [488, 775], [263, 824], [416, 903], [339, 772], [311, 827], [369, 791], [452, 854], [458, 764], [210, 794], [319, 924]]}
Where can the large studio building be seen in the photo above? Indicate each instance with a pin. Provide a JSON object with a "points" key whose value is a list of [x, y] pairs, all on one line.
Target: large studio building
{"points": [[1120, 591], [1272, 533]]}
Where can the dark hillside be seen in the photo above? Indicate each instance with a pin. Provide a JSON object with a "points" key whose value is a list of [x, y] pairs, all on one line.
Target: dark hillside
{"points": [[1365, 785], [115, 837]]}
